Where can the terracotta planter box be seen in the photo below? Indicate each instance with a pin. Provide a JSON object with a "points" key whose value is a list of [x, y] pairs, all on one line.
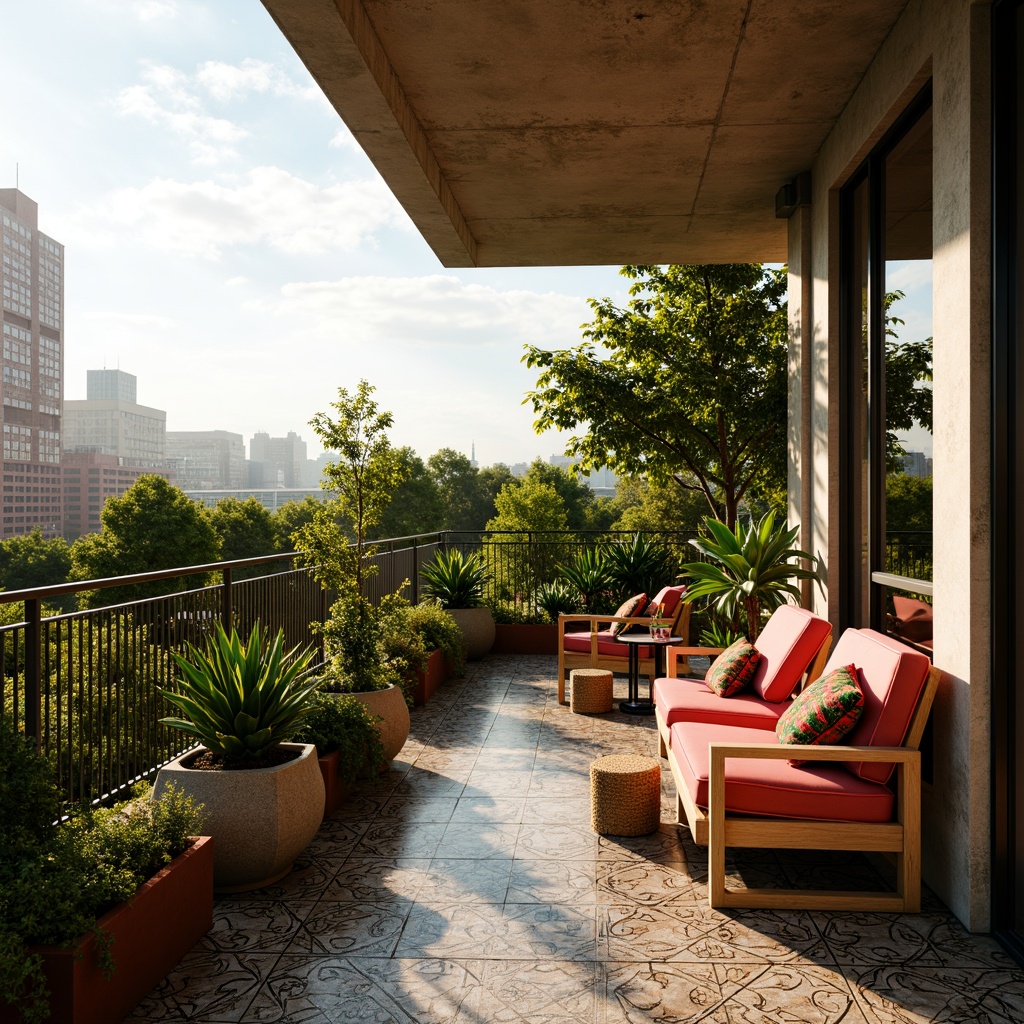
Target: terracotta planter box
{"points": [[521, 639], [336, 789], [428, 680], [149, 934]]}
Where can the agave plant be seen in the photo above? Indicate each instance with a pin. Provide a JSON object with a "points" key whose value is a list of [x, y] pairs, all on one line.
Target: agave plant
{"points": [[241, 698], [641, 566], [556, 599], [590, 574], [455, 579], [750, 571]]}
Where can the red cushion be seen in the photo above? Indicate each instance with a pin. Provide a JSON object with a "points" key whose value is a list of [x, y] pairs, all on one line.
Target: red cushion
{"points": [[787, 645], [892, 676], [669, 597], [915, 619], [775, 789], [607, 645], [689, 700]]}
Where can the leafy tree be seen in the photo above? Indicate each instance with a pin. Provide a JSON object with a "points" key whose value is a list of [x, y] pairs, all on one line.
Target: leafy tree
{"points": [[32, 561], [907, 364], [490, 481], [416, 506], [575, 494], [908, 502], [246, 529], [152, 526], [362, 481], [686, 384], [291, 517], [458, 489], [529, 505], [644, 507]]}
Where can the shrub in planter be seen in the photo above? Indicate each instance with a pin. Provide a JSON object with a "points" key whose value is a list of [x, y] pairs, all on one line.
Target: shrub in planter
{"points": [[58, 878], [410, 632], [456, 581]]}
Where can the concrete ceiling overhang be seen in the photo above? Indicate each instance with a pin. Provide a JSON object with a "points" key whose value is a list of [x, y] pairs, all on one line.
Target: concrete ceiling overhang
{"points": [[584, 132]]}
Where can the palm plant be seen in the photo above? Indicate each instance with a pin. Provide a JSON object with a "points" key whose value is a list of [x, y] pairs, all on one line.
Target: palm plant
{"points": [[640, 566], [455, 579], [750, 571], [590, 573], [241, 698]]}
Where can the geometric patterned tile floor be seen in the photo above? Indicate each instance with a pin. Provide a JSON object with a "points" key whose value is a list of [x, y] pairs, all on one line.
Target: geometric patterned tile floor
{"points": [[466, 886]]}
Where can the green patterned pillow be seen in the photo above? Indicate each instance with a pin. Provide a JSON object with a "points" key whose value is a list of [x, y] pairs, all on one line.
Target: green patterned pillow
{"points": [[627, 610], [825, 712], [733, 669]]}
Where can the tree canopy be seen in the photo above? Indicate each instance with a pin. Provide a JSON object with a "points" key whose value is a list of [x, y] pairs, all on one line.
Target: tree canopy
{"points": [[529, 504], [685, 384], [32, 561], [246, 529]]}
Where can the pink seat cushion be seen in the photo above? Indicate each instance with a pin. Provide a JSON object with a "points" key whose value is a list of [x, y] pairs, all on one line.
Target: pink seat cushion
{"points": [[775, 789], [689, 700], [788, 644], [892, 676], [607, 645]]}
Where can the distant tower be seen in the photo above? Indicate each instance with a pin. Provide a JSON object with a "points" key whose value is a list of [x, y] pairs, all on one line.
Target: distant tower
{"points": [[472, 457]]}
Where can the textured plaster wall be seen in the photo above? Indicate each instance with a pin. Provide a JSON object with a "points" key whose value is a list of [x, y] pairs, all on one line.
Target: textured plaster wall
{"points": [[947, 40]]}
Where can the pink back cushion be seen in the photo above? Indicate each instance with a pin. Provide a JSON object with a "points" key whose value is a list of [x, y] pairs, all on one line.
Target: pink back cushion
{"points": [[667, 596], [892, 677], [787, 645]]}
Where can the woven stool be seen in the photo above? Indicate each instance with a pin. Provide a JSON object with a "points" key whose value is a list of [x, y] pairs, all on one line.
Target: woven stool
{"points": [[590, 691], [625, 795]]}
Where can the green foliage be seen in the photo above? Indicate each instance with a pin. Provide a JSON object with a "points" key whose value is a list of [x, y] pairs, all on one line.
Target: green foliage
{"points": [[415, 506], [640, 566], [337, 721], [643, 507], [688, 381], [528, 505], [31, 561], [717, 635], [246, 529], [352, 638], [153, 525], [557, 598], [908, 372], [363, 479], [748, 570], [908, 502], [516, 613], [241, 698], [290, 518], [57, 879], [438, 630], [577, 497], [455, 580], [590, 575]]}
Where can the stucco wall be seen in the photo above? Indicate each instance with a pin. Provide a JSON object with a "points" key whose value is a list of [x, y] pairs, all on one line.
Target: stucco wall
{"points": [[948, 41]]}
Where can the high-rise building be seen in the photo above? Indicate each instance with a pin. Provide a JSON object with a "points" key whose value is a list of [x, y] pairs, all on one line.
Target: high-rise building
{"points": [[32, 274], [206, 460], [277, 461], [135, 433], [89, 479], [115, 384]]}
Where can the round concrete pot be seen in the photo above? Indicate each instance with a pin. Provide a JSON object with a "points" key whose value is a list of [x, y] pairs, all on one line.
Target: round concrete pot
{"points": [[260, 819], [390, 707], [477, 626]]}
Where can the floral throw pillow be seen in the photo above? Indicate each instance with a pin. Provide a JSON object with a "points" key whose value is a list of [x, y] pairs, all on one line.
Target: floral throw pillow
{"points": [[733, 669], [825, 712], [627, 610]]}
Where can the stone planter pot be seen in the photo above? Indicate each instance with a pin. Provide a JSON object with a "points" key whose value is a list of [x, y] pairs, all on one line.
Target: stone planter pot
{"points": [[430, 678], [336, 789], [477, 626], [390, 707], [149, 934], [260, 820], [518, 638]]}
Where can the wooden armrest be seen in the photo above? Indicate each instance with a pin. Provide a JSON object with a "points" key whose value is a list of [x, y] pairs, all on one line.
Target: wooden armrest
{"points": [[673, 655], [810, 752]]}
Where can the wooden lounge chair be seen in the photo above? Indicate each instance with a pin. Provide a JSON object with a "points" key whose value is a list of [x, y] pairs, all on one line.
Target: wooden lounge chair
{"points": [[595, 646]]}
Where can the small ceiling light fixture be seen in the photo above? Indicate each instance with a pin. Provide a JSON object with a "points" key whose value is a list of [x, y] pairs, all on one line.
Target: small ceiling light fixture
{"points": [[794, 195]]}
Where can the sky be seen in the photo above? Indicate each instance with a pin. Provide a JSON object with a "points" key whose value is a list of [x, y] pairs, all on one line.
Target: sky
{"points": [[230, 245]]}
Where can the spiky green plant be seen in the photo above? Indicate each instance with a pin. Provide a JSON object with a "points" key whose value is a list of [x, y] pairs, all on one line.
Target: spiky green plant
{"points": [[590, 574], [241, 698], [455, 579], [641, 566], [750, 570], [556, 599]]}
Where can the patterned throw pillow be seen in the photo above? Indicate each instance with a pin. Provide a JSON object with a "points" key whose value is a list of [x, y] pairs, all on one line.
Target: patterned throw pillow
{"points": [[825, 712], [627, 610], [733, 669]]}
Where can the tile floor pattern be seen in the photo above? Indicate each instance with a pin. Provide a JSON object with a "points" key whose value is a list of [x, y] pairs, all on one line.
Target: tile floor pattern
{"points": [[466, 886]]}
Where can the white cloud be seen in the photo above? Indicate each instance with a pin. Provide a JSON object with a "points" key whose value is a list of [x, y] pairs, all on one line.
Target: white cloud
{"points": [[437, 309], [226, 82], [268, 207]]}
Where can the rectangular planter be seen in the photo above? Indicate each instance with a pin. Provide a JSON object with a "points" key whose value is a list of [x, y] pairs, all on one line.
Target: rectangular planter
{"points": [[336, 789], [149, 934], [523, 639], [428, 680]]}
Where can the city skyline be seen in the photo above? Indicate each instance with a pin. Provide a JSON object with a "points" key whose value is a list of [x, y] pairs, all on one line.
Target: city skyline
{"points": [[228, 243]]}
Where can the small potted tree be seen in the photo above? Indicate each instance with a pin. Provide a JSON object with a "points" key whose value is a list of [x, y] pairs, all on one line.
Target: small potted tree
{"points": [[457, 581], [263, 795]]}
